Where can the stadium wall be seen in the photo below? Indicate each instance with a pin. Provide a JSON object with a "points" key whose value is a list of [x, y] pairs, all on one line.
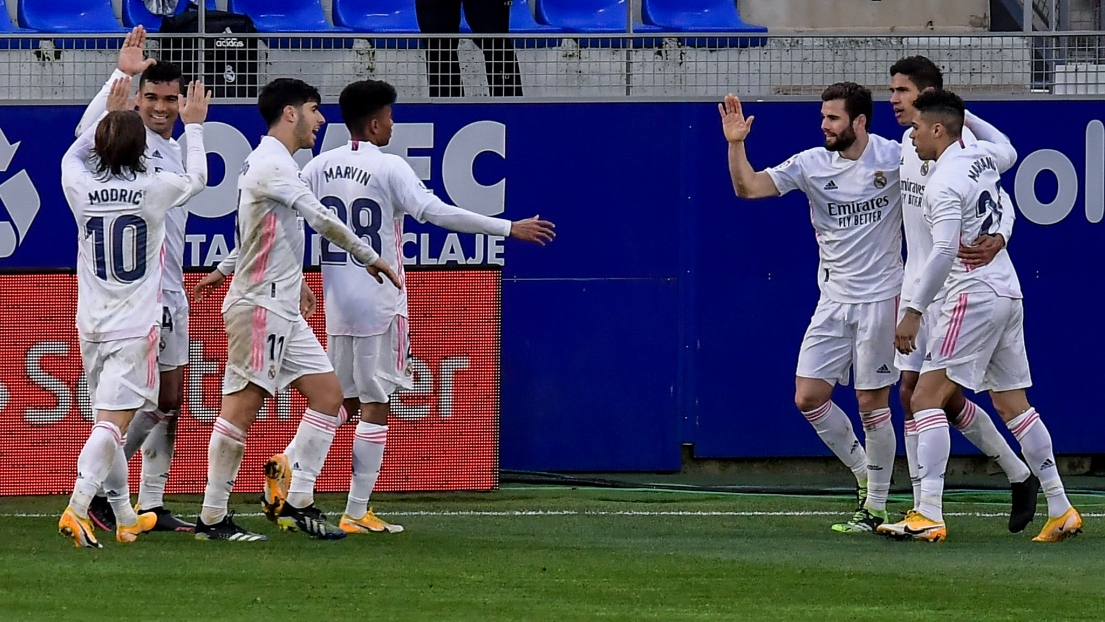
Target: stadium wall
{"points": [[666, 312]]}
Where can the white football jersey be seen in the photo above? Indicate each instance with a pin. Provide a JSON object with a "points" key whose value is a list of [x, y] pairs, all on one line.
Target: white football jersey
{"points": [[272, 194], [915, 173], [856, 211], [161, 155], [121, 229], [966, 187], [371, 191]]}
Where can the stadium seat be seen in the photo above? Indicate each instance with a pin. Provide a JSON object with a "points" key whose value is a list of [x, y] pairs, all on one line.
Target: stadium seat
{"points": [[290, 16], [7, 28], [701, 16], [69, 16], [593, 16], [379, 16], [136, 14], [523, 22]]}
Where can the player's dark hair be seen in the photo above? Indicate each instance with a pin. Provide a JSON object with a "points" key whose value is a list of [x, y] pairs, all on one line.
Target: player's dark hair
{"points": [[283, 92], [162, 72], [857, 100], [120, 145], [921, 71], [363, 100], [943, 107]]}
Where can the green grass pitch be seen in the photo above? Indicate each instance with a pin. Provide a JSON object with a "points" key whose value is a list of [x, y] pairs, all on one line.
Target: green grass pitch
{"points": [[563, 554]]}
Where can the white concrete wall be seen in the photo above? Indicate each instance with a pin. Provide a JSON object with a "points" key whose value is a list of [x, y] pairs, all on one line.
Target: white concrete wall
{"points": [[868, 15]]}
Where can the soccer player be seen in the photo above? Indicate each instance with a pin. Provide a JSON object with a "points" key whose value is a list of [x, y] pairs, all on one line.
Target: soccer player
{"points": [[978, 339], [154, 431], [908, 77], [269, 344], [366, 322], [855, 205], [120, 208]]}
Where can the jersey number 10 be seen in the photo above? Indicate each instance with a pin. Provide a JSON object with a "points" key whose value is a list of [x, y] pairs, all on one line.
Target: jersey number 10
{"points": [[363, 217], [113, 243]]}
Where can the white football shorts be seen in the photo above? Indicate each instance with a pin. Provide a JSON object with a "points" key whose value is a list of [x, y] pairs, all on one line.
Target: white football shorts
{"points": [[914, 360], [372, 368], [979, 342], [174, 331], [268, 350], [122, 374], [857, 336]]}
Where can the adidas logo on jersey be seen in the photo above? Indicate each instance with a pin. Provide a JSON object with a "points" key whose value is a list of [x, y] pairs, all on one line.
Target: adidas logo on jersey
{"points": [[831, 185], [883, 370], [155, 154]]}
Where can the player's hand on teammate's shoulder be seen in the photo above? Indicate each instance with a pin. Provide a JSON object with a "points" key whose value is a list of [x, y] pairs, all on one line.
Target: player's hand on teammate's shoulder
{"points": [[733, 121], [118, 98], [982, 251], [380, 267], [533, 229], [132, 57], [214, 279], [195, 106]]}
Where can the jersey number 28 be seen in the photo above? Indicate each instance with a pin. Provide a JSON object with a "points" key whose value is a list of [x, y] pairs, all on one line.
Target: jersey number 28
{"points": [[363, 217]]}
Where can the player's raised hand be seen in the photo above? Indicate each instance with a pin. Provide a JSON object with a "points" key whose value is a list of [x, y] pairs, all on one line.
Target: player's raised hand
{"points": [[533, 229], [118, 98], [380, 267], [132, 57], [733, 122], [982, 251], [195, 105], [207, 284]]}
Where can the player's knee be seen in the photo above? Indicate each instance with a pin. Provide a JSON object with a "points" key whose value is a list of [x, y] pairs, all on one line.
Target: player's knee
{"points": [[169, 403], [807, 402], [326, 404]]}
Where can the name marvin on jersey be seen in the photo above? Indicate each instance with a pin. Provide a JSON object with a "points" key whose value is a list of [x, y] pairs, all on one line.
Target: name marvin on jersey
{"points": [[351, 173], [116, 195], [858, 213]]}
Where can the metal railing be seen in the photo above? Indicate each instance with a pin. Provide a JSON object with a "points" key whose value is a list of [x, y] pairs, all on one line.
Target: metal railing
{"points": [[686, 67]]}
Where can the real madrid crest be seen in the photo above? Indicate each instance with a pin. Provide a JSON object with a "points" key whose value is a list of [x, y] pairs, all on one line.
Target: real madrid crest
{"points": [[880, 179], [272, 372], [925, 168]]}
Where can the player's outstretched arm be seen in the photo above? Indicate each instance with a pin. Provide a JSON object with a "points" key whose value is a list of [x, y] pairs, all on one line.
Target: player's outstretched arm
{"points": [[747, 182], [533, 229], [208, 284], [132, 62]]}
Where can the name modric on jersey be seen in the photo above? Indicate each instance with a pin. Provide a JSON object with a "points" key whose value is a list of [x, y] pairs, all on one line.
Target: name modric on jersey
{"points": [[116, 195]]}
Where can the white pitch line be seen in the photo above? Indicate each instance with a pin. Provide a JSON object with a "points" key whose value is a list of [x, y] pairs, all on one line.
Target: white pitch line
{"points": [[685, 513]]}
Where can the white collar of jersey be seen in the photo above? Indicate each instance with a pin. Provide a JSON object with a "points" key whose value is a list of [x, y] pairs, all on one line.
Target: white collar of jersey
{"points": [[362, 145], [955, 147], [273, 144]]}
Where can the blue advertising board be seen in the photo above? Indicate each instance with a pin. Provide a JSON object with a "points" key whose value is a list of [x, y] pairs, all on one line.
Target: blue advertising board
{"points": [[667, 311]]}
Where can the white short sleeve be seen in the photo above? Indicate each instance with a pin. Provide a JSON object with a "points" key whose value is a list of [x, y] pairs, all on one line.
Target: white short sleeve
{"points": [[789, 175]]}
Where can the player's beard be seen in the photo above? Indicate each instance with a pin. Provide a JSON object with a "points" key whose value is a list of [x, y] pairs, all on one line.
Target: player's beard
{"points": [[303, 132], [845, 139]]}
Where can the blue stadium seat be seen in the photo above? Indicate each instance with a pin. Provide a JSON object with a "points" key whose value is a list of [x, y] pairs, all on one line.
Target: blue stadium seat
{"points": [[595, 16], [7, 28], [380, 16], [701, 16], [522, 22], [290, 16], [68, 16], [136, 14]]}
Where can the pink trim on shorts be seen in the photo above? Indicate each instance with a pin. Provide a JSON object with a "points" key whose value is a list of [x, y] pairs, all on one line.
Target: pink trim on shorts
{"points": [[954, 326], [257, 339], [399, 251], [151, 357], [268, 236], [400, 355]]}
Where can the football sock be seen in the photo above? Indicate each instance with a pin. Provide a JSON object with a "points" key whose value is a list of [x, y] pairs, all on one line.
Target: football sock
{"points": [[1035, 442], [368, 455], [94, 463], [933, 448], [312, 443], [118, 489], [911, 459], [881, 447], [979, 428], [157, 455], [835, 430], [224, 458]]}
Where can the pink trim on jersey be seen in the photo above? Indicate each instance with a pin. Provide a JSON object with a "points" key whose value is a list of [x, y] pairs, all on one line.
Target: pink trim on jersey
{"points": [[268, 236], [257, 339], [954, 326], [376, 437], [399, 252], [163, 245], [151, 356], [401, 353], [1021, 428]]}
